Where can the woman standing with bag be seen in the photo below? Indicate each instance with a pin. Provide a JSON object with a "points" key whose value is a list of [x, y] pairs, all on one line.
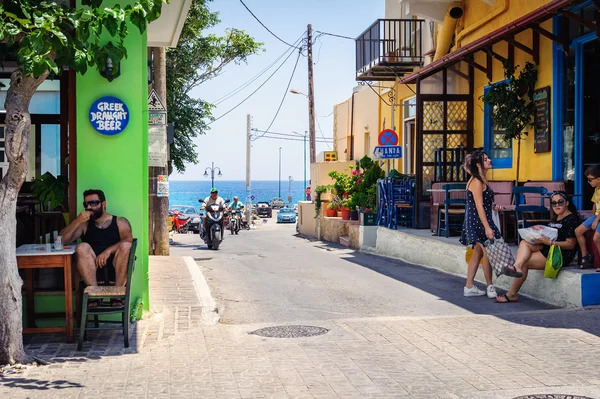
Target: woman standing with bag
{"points": [[478, 226], [534, 256]]}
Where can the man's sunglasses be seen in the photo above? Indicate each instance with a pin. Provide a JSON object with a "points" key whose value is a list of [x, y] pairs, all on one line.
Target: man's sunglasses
{"points": [[557, 203], [91, 203], [589, 179]]}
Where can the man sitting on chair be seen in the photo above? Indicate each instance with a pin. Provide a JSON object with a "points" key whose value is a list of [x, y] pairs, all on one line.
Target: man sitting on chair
{"points": [[106, 242]]}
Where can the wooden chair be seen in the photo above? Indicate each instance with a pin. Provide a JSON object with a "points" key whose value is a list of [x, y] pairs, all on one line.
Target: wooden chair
{"points": [[454, 208], [108, 292], [527, 214]]}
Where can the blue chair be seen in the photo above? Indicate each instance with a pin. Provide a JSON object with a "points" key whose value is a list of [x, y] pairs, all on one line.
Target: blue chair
{"points": [[528, 214], [452, 214], [403, 193]]}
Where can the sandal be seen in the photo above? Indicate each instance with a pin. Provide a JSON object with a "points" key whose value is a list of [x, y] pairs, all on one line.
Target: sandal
{"points": [[116, 302], [587, 262], [511, 271], [506, 299]]}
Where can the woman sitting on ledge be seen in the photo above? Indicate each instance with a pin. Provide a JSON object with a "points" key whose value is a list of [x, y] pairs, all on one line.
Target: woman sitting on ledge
{"points": [[533, 256]]}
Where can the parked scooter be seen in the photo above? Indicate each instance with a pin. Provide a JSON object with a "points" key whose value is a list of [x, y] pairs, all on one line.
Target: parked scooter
{"points": [[215, 214], [181, 222]]}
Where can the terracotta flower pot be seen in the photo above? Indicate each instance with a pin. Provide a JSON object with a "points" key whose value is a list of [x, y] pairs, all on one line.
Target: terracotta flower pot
{"points": [[339, 214], [331, 213], [345, 214]]}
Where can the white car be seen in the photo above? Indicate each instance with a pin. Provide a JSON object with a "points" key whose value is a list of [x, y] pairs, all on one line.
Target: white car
{"points": [[296, 208]]}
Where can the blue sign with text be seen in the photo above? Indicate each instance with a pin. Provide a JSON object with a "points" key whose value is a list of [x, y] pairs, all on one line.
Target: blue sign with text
{"points": [[388, 152], [109, 116]]}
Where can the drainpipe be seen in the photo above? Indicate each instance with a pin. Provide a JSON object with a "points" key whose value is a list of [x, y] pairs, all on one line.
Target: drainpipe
{"points": [[481, 22], [352, 129], [453, 13]]}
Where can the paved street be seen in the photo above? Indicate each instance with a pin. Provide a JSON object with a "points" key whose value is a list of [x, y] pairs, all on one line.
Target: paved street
{"points": [[394, 330]]}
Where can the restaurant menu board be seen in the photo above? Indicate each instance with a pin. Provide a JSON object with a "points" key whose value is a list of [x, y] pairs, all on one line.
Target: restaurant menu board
{"points": [[541, 101]]}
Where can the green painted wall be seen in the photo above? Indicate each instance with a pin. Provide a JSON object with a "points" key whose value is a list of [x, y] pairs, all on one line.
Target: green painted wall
{"points": [[118, 165]]}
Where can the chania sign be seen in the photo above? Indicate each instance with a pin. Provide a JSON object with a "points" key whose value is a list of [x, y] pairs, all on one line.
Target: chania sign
{"points": [[109, 115]]}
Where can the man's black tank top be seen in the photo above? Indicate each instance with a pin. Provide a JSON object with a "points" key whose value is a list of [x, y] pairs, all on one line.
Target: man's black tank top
{"points": [[101, 239]]}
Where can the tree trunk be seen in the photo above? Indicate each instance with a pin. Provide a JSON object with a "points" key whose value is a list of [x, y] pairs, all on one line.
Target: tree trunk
{"points": [[18, 123], [160, 218], [518, 161]]}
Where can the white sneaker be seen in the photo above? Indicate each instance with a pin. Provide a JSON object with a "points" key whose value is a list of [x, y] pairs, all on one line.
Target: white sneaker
{"points": [[473, 291], [491, 292]]}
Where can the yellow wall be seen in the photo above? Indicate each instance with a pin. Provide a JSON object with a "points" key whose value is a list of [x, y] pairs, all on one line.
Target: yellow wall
{"points": [[533, 166]]}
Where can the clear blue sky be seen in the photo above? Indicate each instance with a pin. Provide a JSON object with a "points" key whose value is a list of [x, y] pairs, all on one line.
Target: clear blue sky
{"points": [[334, 73]]}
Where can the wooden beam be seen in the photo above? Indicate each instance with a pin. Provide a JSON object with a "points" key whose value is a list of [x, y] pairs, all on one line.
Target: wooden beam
{"points": [[490, 65], [519, 45], [491, 52], [511, 54], [474, 64], [582, 21], [535, 40], [537, 28]]}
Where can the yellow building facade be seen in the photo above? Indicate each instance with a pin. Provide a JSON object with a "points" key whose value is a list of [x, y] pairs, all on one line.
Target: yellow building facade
{"points": [[437, 104]]}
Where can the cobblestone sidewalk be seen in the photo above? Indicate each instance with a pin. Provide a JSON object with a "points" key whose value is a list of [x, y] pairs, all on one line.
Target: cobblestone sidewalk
{"points": [[478, 356]]}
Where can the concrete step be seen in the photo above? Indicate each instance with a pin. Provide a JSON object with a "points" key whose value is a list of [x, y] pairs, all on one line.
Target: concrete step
{"points": [[345, 241], [572, 288]]}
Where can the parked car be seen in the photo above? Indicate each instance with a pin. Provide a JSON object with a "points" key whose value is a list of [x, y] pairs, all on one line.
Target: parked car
{"points": [[277, 203], [192, 213], [286, 215], [263, 209]]}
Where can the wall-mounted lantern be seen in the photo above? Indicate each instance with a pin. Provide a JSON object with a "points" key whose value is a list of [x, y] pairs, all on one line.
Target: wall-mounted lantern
{"points": [[111, 69]]}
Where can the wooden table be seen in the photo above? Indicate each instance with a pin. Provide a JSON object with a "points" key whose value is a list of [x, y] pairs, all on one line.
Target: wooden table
{"points": [[35, 256]]}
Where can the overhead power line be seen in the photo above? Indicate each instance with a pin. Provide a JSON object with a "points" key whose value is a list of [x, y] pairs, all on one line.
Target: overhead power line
{"points": [[295, 135], [257, 89], [333, 34], [292, 139], [264, 26], [253, 79], [284, 95]]}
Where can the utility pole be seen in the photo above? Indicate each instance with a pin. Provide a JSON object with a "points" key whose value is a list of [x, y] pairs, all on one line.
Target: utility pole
{"points": [[304, 188], [311, 97], [248, 188], [159, 227], [289, 198], [279, 172]]}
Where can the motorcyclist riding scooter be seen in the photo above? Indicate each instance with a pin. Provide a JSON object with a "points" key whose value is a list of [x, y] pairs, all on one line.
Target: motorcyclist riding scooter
{"points": [[237, 210], [212, 231]]}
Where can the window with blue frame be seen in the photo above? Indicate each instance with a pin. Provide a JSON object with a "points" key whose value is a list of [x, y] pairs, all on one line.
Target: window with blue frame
{"points": [[496, 146]]}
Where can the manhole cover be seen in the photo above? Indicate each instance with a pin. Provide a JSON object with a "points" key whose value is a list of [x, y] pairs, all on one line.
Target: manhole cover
{"points": [[290, 331], [552, 396]]}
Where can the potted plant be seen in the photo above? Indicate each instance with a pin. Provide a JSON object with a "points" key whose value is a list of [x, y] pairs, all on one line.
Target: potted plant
{"points": [[345, 209], [353, 204], [50, 191], [512, 106], [332, 209], [318, 200]]}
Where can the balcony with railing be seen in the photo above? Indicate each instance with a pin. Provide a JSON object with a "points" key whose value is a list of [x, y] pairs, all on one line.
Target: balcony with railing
{"points": [[389, 49]]}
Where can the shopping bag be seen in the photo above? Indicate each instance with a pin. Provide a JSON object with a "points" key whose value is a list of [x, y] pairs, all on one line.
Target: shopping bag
{"points": [[554, 262], [469, 255], [499, 255], [531, 234]]}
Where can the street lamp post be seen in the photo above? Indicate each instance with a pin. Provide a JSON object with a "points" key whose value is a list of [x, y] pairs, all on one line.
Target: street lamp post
{"points": [[212, 169], [279, 172]]}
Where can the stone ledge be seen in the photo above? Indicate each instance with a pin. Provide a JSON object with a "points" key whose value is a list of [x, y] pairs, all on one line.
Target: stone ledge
{"points": [[572, 288]]}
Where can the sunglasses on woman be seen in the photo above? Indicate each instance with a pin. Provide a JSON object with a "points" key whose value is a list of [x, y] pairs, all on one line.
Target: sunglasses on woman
{"points": [[557, 203]]}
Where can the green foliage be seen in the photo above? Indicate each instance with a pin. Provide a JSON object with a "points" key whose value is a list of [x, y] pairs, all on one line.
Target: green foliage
{"points": [[50, 189], [46, 36], [359, 188], [318, 202], [511, 101], [197, 58]]}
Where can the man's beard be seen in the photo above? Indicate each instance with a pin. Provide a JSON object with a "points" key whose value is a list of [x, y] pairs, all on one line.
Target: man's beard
{"points": [[97, 214]]}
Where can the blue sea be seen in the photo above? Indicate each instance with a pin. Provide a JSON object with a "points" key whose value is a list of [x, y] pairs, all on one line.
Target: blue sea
{"points": [[189, 192]]}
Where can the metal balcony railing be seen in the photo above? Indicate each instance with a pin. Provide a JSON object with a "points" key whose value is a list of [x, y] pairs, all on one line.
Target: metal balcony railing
{"points": [[389, 48]]}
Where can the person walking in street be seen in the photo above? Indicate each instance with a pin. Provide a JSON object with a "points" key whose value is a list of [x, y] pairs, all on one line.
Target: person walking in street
{"points": [[479, 225], [593, 222], [533, 256]]}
